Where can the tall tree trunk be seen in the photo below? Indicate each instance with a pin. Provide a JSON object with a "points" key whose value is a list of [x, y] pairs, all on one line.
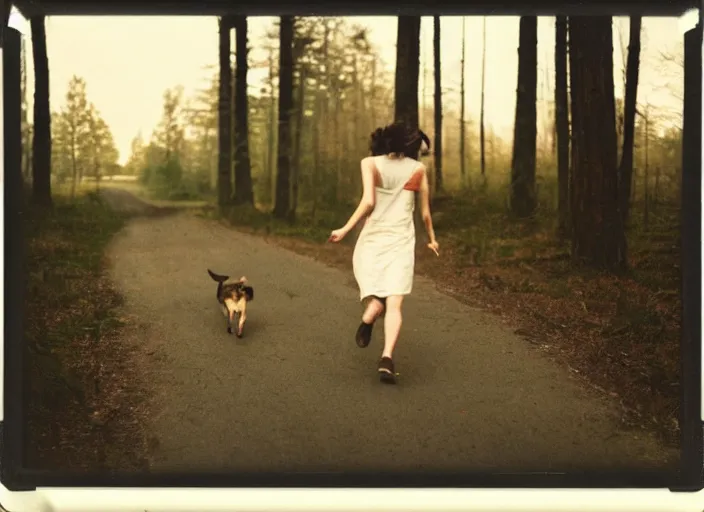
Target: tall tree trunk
{"points": [[522, 196], [406, 82], [620, 105], [463, 138], [545, 115], [243, 165], [25, 127], [372, 95], [562, 126], [424, 92], [27, 153], [407, 64], [41, 146], [224, 115], [272, 133], [328, 119], [336, 154], [355, 134], [283, 168], [10, 66], [646, 174], [324, 118], [298, 134], [316, 154], [482, 149], [625, 171], [598, 237], [359, 111], [438, 106]]}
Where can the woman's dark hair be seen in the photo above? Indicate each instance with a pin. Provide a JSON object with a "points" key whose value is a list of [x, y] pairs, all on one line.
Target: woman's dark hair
{"points": [[399, 139]]}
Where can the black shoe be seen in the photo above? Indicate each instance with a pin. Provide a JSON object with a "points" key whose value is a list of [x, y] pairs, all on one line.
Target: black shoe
{"points": [[364, 335], [386, 371]]}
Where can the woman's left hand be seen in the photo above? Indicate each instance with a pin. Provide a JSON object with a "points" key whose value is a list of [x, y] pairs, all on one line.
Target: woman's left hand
{"points": [[337, 235], [434, 246]]}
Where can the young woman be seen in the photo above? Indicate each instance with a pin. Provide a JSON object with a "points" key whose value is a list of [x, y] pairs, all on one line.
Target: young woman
{"points": [[384, 256]]}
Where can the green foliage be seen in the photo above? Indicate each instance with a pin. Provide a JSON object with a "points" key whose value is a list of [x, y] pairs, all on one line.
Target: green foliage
{"points": [[173, 166], [168, 181], [347, 92], [82, 143]]}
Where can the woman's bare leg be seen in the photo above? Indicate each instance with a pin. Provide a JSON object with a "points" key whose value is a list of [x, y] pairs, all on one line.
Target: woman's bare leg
{"points": [[392, 324], [375, 307], [373, 310]]}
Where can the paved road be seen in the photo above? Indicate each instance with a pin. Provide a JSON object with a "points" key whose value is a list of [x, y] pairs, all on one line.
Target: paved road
{"points": [[296, 394]]}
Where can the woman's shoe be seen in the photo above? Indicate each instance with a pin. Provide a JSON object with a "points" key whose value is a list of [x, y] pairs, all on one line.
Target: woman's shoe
{"points": [[386, 371], [364, 335]]}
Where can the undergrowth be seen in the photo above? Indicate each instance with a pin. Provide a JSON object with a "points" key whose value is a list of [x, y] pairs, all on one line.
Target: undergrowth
{"points": [[78, 406]]}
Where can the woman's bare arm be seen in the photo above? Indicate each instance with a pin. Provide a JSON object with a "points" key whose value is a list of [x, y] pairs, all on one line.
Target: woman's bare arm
{"points": [[424, 193], [366, 204]]}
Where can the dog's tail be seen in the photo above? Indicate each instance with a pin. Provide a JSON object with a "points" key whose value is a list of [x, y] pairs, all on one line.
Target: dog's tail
{"points": [[218, 278]]}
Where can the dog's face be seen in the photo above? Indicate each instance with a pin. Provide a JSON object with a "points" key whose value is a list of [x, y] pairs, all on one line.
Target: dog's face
{"points": [[237, 291], [235, 297]]}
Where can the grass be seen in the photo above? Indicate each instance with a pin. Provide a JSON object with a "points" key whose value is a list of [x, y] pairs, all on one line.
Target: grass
{"points": [[83, 402], [621, 334]]}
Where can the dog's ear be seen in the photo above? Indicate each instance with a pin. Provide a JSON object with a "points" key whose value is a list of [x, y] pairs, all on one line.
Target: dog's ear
{"points": [[249, 292], [243, 279]]}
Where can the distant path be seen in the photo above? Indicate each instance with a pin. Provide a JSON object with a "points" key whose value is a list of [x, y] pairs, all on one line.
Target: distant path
{"points": [[127, 202], [296, 394]]}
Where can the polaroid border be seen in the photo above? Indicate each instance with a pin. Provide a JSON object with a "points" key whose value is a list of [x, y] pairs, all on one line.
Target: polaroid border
{"points": [[687, 478]]}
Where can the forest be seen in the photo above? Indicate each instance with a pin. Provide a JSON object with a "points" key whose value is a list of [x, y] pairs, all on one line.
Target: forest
{"points": [[183, 157], [570, 230]]}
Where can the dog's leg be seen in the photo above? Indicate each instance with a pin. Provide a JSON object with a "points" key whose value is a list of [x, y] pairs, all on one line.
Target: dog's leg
{"points": [[240, 324], [226, 314], [230, 318], [229, 310], [243, 317], [230, 321]]}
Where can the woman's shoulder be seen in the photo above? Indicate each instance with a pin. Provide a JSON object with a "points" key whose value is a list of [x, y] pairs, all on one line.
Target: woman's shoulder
{"points": [[418, 165], [370, 164]]}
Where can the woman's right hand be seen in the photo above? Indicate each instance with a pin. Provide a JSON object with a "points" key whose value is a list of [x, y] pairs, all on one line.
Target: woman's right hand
{"points": [[337, 235], [434, 246]]}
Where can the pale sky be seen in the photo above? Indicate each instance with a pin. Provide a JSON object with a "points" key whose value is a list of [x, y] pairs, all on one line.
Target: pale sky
{"points": [[128, 62]]}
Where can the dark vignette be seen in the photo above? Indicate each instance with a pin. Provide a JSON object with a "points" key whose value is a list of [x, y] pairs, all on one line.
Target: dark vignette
{"points": [[688, 478], [12, 432], [691, 345]]}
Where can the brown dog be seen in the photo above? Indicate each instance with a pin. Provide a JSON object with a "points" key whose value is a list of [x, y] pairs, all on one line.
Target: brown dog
{"points": [[233, 298]]}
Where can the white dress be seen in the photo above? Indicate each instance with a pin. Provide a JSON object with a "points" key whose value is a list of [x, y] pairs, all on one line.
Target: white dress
{"points": [[384, 255]]}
